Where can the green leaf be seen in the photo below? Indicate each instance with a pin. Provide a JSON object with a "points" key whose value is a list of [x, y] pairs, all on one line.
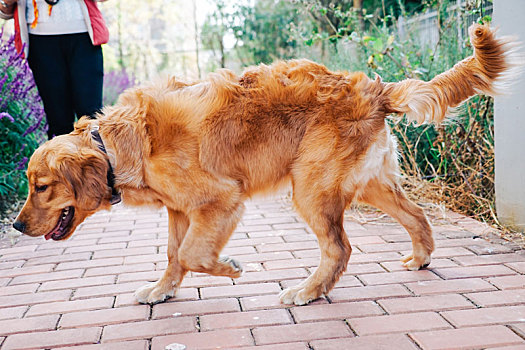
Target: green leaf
{"points": [[378, 44]]}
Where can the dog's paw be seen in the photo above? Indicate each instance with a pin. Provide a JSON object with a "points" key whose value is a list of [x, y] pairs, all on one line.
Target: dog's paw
{"points": [[235, 266], [154, 293], [415, 263], [296, 295]]}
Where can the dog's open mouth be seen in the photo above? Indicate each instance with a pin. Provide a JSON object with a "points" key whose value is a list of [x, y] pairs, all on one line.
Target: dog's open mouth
{"points": [[63, 225]]}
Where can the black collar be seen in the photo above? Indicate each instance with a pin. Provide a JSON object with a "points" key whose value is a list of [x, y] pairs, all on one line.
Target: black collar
{"points": [[115, 195]]}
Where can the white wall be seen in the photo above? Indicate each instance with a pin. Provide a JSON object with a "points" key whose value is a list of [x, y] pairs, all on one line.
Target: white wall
{"points": [[510, 126]]}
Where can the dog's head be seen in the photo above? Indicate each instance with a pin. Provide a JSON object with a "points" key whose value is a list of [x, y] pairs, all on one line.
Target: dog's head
{"points": [[67, 183]]}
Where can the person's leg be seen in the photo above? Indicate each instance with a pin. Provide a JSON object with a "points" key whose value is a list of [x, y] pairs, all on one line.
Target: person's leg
{"points": [[87, 75], [46, 60]]}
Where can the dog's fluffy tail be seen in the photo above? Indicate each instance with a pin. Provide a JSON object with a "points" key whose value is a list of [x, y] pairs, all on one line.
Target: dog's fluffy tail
{"points": [[490, 70]]}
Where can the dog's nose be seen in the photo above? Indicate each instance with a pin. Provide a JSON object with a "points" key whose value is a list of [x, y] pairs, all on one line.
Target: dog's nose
{"points": [[20, 226]]}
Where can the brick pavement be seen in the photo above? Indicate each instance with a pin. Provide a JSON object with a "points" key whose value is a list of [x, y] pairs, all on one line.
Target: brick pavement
{"points": [[79, 293]]}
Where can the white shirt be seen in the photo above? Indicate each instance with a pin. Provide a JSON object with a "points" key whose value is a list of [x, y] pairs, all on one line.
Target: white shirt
{"points": [[66, 18]]}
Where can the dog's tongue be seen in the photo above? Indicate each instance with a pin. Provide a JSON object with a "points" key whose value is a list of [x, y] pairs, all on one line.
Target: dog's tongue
{"points": [[50, 234]]}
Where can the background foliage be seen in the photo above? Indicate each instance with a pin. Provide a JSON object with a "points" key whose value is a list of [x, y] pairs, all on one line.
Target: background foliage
{"points": [[22, 122], [452, 163]]}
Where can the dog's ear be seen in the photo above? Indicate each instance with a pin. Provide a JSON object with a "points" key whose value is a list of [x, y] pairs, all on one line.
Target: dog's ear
{"points": [[85, 173]]}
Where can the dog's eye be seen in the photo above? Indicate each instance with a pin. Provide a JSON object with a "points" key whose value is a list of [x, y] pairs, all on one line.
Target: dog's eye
{"points": [[41, 188]]}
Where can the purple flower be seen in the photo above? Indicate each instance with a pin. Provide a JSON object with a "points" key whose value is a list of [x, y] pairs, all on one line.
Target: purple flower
{"points": [[7, 115]]}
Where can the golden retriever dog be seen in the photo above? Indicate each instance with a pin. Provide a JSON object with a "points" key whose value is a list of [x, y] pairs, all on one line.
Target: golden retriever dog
{"points": [[201, 149]]}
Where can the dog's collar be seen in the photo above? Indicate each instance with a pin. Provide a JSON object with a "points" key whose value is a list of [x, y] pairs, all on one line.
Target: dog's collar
{"points": [[115, 195]]}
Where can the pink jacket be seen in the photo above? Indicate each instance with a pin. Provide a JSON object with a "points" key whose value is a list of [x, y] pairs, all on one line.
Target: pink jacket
{"points": [[98, 32]]}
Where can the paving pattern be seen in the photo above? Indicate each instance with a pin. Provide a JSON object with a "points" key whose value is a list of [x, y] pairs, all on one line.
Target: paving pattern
{"points": [[79, 293]]}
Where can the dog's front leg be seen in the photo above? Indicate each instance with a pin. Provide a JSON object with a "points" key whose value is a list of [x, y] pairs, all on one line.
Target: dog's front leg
{"points": [[168, 285], [211, 228]]}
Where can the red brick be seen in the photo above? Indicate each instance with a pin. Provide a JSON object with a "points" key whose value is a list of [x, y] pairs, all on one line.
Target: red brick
{"points": [[276, 247], [35, 298], [498, 298], [261, 257], [240, 290], [225, 338], [128, 345], [474, 271], [49, 276], [425, 303], [371, 342], [247, 319], [271, 301], [12, 312], [18, 249], [107, 290], [126, 299], [145, 258], [234, 251], [62, 307], [451, 286], [30, 324], [118, 269], [77, 283], [518, 266], [446, 253], [398, 277], [124, 252], [466, 338], [57, 259], [269, 276], [338, 311], [387, 247], [95, 247], [291, 263], [135, 236], [140, 276], [280, 233], [149, 329], [358, 269], [368, 292], [40, 340], [50, 253], [104, 317], [519, 328], [374, 257], [19, 289], [488, 259], [486, 316], [195, 307], [300, 332], [254, 241], [29, 270], [154, 242], [286, 346], [436, 263], [86, 264], [253, 228], [12, 264], [508, 282], [401, 323]]}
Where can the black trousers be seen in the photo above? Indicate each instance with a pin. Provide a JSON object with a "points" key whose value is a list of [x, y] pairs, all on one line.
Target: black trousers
{"points": [[69, 73]]}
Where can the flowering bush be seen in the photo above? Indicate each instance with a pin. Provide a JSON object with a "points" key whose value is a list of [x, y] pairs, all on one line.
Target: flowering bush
{"points": [[115, 82], [22, 122]]}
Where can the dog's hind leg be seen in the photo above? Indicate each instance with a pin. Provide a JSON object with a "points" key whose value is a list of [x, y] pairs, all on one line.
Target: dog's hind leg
{"points": [[391, 199], [167, 286], [323, 210], [210, 229]]}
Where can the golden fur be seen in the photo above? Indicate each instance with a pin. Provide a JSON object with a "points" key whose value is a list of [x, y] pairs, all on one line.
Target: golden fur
{"points": [[202, 149]]}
